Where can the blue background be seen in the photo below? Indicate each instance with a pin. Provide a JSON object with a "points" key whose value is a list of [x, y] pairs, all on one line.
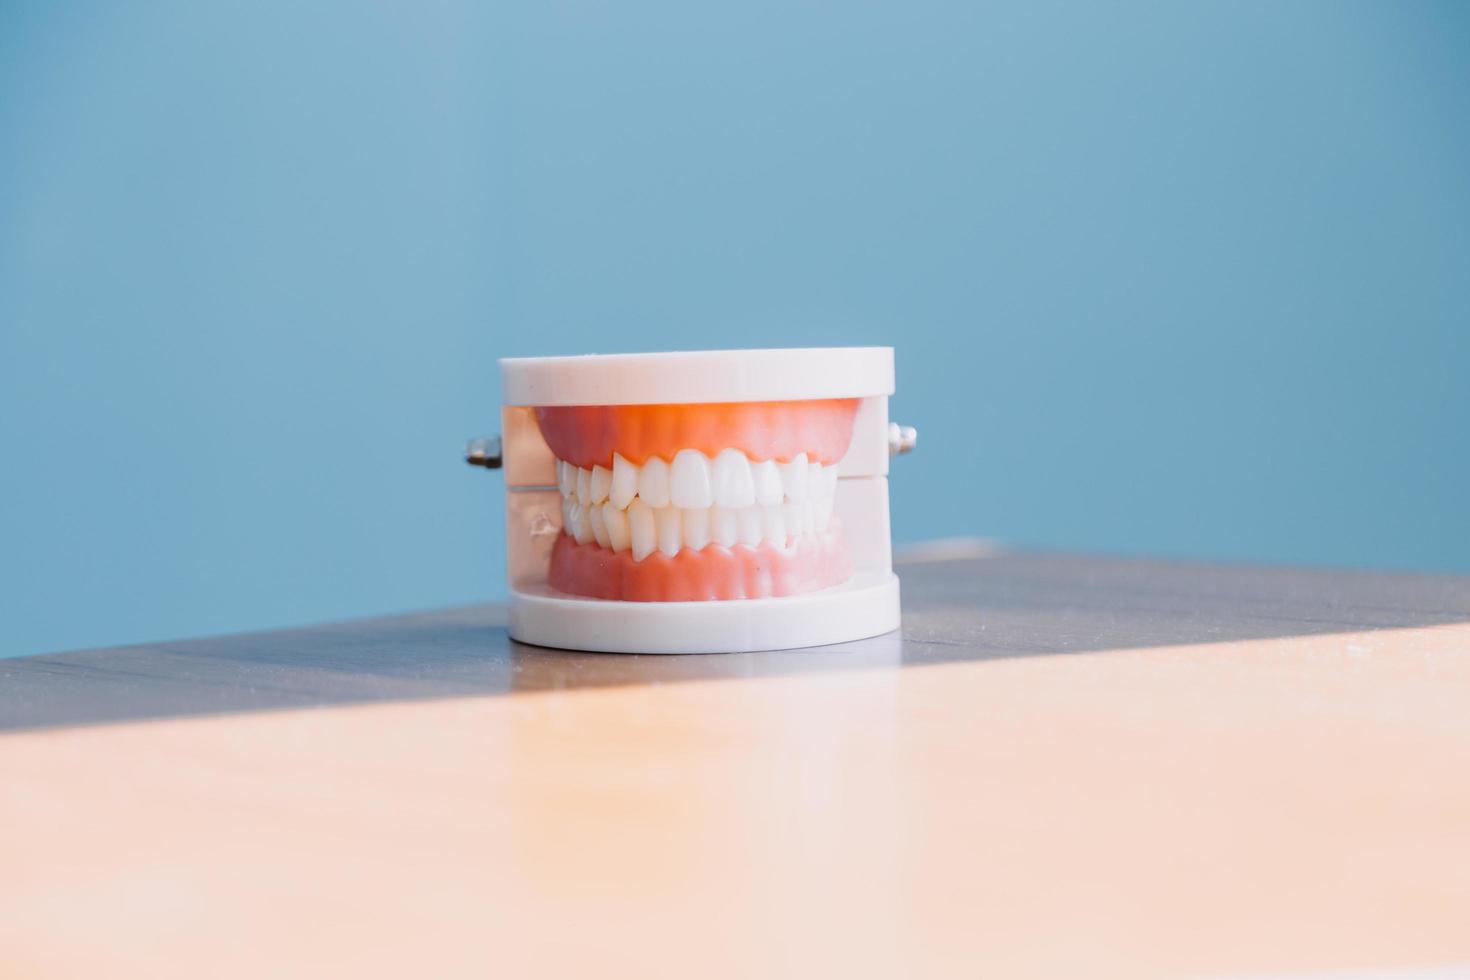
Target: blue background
{"points": [[1177, 279]]}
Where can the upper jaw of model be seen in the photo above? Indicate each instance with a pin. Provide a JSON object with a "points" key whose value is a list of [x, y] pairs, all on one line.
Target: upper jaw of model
{"points": [[692, 501]]}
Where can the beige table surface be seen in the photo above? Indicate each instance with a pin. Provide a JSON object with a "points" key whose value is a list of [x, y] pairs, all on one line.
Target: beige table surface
{"points": [[1065, 767]]}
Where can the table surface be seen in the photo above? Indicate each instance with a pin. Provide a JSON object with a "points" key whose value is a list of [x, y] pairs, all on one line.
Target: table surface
{"points": [[1064, 766]]}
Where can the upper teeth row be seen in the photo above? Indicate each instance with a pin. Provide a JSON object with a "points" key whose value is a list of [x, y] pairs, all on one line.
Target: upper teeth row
{"points": [[694, 480]]}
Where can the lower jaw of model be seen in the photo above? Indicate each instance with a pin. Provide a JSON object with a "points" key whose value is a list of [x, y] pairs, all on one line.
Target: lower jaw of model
{"points": [[698, 524]]}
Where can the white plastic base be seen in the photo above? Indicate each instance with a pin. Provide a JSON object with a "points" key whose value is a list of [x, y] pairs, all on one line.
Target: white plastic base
{"points": [[866, 606]]}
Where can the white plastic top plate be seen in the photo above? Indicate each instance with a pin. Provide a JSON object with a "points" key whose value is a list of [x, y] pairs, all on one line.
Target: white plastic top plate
{"points": [[689, 377]]}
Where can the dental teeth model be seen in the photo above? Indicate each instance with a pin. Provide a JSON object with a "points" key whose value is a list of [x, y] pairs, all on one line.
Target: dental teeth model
{"points": [[699, 502]]}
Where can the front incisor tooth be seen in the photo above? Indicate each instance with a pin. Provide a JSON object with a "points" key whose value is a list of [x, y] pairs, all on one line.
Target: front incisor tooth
{"points": [[767, 479], [724, 527], [599, 526], [666, 522], [624, 485], [731, 480], [695, 527], [773, 524], [794, 477], [615, 519], [750, 526], [600, 483], [642, 535], [584, 485], [689, 484], [653, 482]]}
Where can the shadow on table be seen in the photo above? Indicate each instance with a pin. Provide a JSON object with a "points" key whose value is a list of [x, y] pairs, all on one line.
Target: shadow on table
{"points": [[958, 605]]}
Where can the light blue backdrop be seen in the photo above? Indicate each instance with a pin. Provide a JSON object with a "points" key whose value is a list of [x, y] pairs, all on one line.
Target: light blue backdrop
{"points": [[1177, 279]]}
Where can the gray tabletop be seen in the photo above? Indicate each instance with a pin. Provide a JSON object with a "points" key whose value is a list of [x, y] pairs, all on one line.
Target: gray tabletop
{"points": [[959, 604]]}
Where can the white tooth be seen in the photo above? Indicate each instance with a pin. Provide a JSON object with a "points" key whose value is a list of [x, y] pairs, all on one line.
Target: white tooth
{"points": [[696, 527], [624, 485], [806, 517], [584, 488], [653, 482], [566, 477], [767, 480], [689, 480], [793, 477], [666, 522], [829, 480], [600, 483], [615, 519], [599, 527], [750, 526], [822, 512], [641, 533], [566, 514], [730, 476], [724, 526], [791, 516], [813, 479], [581, 522], [773, 524]]}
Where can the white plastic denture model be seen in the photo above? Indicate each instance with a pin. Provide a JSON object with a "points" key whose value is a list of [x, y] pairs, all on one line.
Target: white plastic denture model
{"points": [[698, 502]]}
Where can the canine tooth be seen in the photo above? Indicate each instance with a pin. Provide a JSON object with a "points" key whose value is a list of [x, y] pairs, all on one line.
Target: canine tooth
{"points": [[581, 523], [773, 524], [584, 489], [624, 485], [615, 519], [599, 526], [566, 477], [750, 526], [730, 477], [724, 526], [641, 533], [767, 480], [666, 522], [794, 477], [600, 483], [689, 484], [696, 527], [653, 482]]}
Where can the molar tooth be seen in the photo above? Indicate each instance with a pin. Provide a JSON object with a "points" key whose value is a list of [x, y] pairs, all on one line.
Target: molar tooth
{"points": [[600, 483], [696, 527], [791, 516], [767, 479], [566, 477], [822, 512], [794, 477], [653, 482], [599, 526], [584, 489], [724, 526], [624, 486], [773, 524], [641, 533], [750, 526], [730, 476], [666, 522], [689, 484], [813, 479], [616, 521]]}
